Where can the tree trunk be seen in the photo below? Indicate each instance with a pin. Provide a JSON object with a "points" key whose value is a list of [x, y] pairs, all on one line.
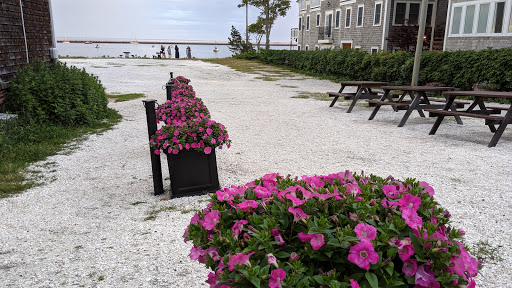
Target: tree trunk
{"points": [[267, 25]]}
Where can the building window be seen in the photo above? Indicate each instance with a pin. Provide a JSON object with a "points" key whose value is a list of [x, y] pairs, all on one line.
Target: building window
{"points": [[374, 50], [411, 12], [457, 12], [469, 19], [360, 11], [318, 20], [510, 24], [300, 23], [337, 19], [498, 17], [307, 23], [378, 12], [315, 3], [307, 47], [302, 4], [483, 17], [347, 17]]}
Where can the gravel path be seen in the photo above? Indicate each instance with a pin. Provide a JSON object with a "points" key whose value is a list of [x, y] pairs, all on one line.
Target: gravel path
{"points": [[88, 228]]}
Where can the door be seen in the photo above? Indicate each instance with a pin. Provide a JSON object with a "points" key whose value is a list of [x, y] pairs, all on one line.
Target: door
{"points": [[346, 45]]}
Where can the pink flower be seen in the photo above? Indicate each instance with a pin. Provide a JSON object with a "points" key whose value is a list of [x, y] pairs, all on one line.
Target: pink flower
{"points": [[304, 237], [412, 219], [426, 277], [194, 219], [362, 254], [426, 188], [247, 204], [471, 283], [405, 249], [409, 202], [176, 132], [352, 189], [353, 216], [294, 256], [354, 284], [465, 263], [365, 231], [272, 260], [295, 201], [209, 131], [410, 267], [195, 252], [237, 228], [317, 241], [157, 152], [277, 236], [207, 150], [298, 214], [391, 191], [210, 220], [239, 259], [224, 195], [276, 277], [213, 280], [262, 192]]}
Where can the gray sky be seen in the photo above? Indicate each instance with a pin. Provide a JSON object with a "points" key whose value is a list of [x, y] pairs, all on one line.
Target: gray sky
{"points": [[160, 19]]}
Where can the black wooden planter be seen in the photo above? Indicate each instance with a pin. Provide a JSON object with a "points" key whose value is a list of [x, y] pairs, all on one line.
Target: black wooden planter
{"points": [[192, 173]]}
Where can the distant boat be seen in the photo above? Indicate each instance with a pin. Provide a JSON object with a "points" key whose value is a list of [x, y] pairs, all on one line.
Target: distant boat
{"points": [[65, 42], [106, 44], [215, 49], [87, 42], [97, 46]]}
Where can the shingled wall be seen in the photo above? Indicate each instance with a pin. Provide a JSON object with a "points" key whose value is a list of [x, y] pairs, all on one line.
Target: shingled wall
{"points": [[36, 15]]}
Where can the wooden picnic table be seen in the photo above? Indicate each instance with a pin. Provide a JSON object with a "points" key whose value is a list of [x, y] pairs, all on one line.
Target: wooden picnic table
{"points": [[419, 100], [364, 91], [492, 115]]}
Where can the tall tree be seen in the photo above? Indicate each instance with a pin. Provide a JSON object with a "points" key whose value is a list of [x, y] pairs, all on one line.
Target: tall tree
{"points": [[236, 45], [257, 30], [270, 10]]}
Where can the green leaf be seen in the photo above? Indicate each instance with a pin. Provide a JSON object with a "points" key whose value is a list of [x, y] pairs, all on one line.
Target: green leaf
{"points": [[334, 242], [319, 279], [282, 254], [390, 268], [264, 271], [372, 279]]}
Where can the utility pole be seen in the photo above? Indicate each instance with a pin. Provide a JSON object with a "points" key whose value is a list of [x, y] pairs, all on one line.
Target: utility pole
{"points": [[246, 23]]}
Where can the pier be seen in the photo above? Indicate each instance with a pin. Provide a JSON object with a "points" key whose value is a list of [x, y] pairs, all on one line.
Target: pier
{"points": [[165, 42]]}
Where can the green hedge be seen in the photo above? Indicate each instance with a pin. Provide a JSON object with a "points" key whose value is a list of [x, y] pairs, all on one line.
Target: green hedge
{"points": [[52, 93], [459, 69]]}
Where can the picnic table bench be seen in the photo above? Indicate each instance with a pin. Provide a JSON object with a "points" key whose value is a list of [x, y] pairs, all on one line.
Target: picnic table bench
{"points": [[491, 115], [419, 101], [363, 91]]}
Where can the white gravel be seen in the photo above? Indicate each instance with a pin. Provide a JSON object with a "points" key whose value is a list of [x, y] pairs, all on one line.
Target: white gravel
{"points": [[82, 230]]}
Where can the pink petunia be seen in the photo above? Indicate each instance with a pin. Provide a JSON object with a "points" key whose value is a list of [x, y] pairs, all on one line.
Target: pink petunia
{"points": [[405, 249], [239, 259], [317, 241], [426, 277], [410, 267], [262, 192], [237, 228], [354, 284], [294, 256], [207, 150], [276, 278], [362, 254], [391, 191], [295, 201], [157, 152], [210, 220], [352, 189], [194, 219], [304, 237], [209, 131], [272, 260], [412, 219], [247, 204], [353, 216], [426, 188], [365, 231], [298, 214], [409, 202]]}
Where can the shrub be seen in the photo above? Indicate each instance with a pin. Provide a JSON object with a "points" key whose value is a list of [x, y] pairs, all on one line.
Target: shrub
{"points": [[339, 230], [56, 94]]}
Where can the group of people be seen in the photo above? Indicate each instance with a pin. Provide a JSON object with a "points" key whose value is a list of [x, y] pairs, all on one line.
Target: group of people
{"points": [[176, 51]]}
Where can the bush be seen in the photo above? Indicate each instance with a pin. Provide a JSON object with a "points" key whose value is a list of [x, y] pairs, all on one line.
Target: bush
{"points": [[52, 93], [340, 230], [460, 69]]}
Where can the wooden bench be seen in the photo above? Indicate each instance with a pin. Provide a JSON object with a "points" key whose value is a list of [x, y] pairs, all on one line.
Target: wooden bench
{"points": [[457, 103], [346, 96]]}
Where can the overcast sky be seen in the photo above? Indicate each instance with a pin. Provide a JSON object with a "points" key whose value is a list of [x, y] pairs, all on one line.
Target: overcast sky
{"points": [[160, 19]]}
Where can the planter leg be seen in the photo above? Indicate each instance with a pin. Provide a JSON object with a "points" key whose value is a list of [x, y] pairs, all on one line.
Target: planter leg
{"points": [[156, 165]]}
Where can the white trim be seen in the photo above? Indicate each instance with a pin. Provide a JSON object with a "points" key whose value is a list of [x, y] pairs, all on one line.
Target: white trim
{"points": [[327, 13], [374, 47], [318, 19], [306, 48], [343, 3], [311, 4], [407, 9], [308, 21], [362, 16], [490, 19], [385, 30], [350, 19], [448, 24], [357, 47], [375, 11], [339, 19], [346, 42]]}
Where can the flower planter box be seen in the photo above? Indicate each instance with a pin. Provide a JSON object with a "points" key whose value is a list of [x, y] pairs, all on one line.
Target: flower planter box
{"points": [[192, 173]]}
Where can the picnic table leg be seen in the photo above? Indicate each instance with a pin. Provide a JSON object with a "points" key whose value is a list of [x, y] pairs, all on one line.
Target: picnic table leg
{"points": [[440, 118], [377, 106], [483, 108], [336, 97], [356, 98], [503, 125], [412, 107]]}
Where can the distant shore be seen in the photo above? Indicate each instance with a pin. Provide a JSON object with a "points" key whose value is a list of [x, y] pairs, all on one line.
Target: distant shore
{"points": [[155, 42]]}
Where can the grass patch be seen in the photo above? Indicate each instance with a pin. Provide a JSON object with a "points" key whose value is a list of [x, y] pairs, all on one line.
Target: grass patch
{"points": [[267, 72], [312, 95], [154, 213], [125, 97], [486, 253], [22, 145], [287, 86], [137, 203]]}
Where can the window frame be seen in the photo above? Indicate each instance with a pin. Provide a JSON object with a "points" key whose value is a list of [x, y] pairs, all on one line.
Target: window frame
{"points": [[362, 15], [375, 14], [308, 20], [348, 16], [407, 10], [318, 19], [337, 16], [489, 23], [374, 48]]}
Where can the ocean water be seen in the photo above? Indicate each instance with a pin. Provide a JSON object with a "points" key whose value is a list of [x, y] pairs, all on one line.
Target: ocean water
{"points": [[141, 50]]}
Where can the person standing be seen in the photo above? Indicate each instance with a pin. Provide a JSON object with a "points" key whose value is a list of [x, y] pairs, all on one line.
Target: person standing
{"points": [[162, 51], [169, 51], [176, 52], [189, 52]]}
